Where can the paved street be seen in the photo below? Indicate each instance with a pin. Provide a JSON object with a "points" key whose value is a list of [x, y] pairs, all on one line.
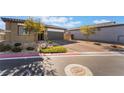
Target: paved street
{"points": [[99, 65]]}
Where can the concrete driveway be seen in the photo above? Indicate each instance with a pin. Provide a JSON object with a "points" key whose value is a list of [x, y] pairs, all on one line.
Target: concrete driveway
{"points": [[81, 46]]}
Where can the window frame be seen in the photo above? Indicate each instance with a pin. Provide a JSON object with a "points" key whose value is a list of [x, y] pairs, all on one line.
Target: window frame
{"points": [[27, 34]]}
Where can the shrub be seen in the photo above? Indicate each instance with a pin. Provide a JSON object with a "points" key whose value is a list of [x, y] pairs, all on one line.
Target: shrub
{"points": [[4, 48], [49, 41], [16, 49], [114, 46], [54, 49], [30, 48], [7, 47], [17, 44], [97, 44], [1, 48]]}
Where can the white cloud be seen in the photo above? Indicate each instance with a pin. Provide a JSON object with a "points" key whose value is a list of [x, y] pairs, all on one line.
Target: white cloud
{"points": [[101, 21], [48, 19], [70, 18], [60, 21], [67, 24], [71, 24], [57, 24]]}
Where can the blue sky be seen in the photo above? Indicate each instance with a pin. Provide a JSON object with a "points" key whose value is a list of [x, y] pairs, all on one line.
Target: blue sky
{"points": [[71, 21]]}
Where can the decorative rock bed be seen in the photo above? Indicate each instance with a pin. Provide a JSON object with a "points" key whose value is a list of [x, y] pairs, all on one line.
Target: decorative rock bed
{"points": [[33, 69]]}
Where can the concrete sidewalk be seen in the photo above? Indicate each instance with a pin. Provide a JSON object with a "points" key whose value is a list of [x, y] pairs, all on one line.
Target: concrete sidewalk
{"points": [[35, 54]]}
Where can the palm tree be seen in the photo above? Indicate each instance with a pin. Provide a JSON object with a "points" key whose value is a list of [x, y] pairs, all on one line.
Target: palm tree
{"points": [[88, 30]]}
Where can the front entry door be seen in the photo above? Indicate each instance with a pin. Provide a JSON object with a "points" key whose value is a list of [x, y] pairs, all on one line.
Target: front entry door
{"points": [[40, 37]]}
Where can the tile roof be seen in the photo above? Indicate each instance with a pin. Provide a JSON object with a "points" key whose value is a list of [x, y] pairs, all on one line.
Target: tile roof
{"points": [[102, 25], [22, 21], [12, 20]]}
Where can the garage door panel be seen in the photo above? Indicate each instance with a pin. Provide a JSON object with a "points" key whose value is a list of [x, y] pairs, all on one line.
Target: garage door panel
{"points": [[121, 39], [55, 35]]}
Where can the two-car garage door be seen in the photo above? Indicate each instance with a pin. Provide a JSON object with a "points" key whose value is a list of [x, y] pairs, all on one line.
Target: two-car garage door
{"points": [[55, 35]]}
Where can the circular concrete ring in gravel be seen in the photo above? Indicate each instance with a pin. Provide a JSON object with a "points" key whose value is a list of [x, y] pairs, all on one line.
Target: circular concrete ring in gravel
{"points": [[77, 70]]}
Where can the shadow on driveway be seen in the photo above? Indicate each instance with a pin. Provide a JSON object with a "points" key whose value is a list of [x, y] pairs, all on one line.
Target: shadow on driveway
{"points": [[64, 42]]}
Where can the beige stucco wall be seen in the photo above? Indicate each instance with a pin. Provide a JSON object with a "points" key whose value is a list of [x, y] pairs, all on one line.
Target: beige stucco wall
{"points": [[2, 36], [14, 37], [7, 36], [67, 36]]}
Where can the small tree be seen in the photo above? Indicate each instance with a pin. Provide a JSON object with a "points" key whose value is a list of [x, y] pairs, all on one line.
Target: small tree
{"points": [[88, 30], [34, 26]]}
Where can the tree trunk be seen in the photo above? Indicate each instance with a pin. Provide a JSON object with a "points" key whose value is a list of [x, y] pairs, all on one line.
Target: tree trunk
{"points": [[36, 36]]}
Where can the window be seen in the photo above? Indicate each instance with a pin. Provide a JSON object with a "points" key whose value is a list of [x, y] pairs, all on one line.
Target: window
{"points": [[22, 31]]}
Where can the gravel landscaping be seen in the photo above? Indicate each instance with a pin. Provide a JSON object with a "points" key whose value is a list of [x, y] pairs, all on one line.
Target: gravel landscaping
{"points": [[29, 69]]}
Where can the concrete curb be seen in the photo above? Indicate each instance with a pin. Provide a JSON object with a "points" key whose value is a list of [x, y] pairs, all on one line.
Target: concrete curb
{"points": [[58, 54], [34, 54]]}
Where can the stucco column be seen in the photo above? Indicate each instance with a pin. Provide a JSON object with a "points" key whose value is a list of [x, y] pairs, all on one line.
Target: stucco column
{"points": [[36, 37], [45, 35]]}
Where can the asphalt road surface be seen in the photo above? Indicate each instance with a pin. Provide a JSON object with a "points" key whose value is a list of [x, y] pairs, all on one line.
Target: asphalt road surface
{"points": [[99, 65]]}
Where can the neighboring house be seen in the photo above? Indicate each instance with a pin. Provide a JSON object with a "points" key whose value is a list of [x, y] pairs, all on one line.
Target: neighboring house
{"points": [[107, 32], [15, 32], [4, 35]]}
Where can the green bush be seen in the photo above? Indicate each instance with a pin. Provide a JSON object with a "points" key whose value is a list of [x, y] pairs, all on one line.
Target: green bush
{"points": [[115, 46], [7, 47], [99, 44], [29, 48], [17, 44], [49, 41], [16, 49], [4, 48], [54, 49]]}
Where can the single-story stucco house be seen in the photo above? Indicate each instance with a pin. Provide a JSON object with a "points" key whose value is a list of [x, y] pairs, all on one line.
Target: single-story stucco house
{"points": [[107, 32], [15, 32]]}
